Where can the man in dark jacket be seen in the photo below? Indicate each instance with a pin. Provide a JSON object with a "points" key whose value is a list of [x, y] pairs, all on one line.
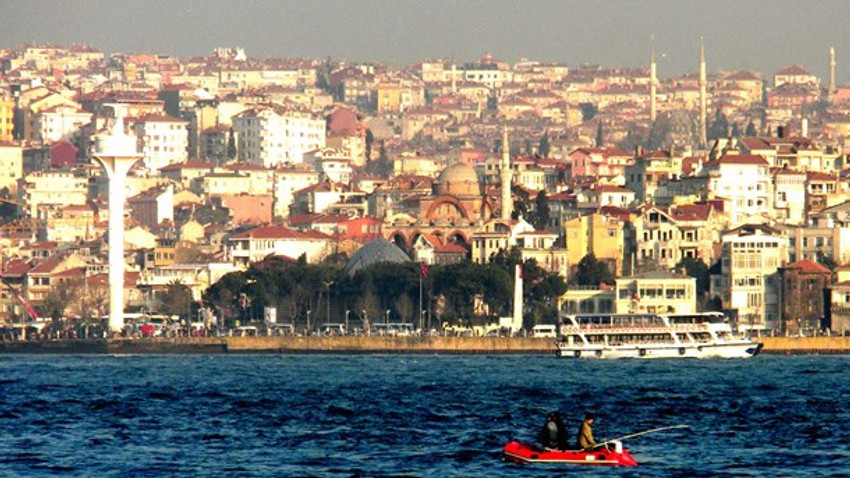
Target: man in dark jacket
{"points": [[553, 435]]}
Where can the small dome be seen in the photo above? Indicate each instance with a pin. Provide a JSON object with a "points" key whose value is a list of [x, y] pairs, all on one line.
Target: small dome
{"points": [[192, 231], [378, 250], [459, 179]]}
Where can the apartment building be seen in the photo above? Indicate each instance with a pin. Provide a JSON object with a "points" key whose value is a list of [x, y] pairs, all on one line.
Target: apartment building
{"points": [[274, 136], [748, 284], [165, 140]]}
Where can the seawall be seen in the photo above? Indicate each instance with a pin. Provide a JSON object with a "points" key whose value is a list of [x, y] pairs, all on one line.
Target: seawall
{"points": [[805, 345], [364, 345]]}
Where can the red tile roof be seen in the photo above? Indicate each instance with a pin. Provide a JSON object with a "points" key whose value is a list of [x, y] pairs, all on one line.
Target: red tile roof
{"points": [[691, 212], [754, 159], [279, 232], [808, 266], [796, 70], [16, 268]]}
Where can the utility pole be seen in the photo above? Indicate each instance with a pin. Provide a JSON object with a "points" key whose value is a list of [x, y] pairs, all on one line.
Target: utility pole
{"points": [[328, 287]]}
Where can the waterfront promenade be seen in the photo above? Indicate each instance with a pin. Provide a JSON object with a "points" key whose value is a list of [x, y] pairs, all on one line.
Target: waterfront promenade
{"points": [[363, 345]]}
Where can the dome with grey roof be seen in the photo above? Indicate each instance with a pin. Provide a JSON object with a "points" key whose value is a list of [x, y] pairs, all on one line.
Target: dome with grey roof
{"points": [[373, 252], [459, 179]]}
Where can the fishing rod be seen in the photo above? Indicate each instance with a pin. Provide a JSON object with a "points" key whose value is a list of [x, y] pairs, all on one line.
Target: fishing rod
{"points": [[645, 432]]}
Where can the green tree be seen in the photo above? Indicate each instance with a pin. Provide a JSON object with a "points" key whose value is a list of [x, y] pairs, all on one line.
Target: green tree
{"points": [[719, 127], [592, 272], [600, 137], [540, 219], [544, 147], [588, 111], [57, 301], [323, 75], [826, 260], [698, 269], [231, 145], [176, 299], [736, 131], [751, 130], [541, 292], [223, 295], [370, 137], [8, 211], [521, 205], [529, 148], [515, 150]]}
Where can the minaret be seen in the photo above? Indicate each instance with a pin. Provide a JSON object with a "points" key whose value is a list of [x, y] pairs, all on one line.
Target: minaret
{"points": [[507, 175], [831, 71], [116, 151], [454, 78], [702, 97], [652, 83]]}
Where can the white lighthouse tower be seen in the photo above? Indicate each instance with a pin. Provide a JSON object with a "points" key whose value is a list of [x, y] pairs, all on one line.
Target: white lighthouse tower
{"points": [[116, 151]]}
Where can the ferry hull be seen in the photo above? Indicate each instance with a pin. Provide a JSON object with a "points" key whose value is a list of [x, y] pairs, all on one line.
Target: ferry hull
{"points": [[731, 350], [523, 453]]}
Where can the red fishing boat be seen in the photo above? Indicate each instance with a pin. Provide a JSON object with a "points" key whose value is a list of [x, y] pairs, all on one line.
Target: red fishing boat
{"points": [[608, 453], [613, 455]]}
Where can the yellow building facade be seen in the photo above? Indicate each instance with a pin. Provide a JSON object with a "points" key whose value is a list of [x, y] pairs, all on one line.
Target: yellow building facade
{"points": [[599, 234], [7, 116]]}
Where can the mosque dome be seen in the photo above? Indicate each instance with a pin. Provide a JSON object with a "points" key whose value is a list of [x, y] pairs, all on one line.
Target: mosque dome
{"points": [[373, 252], [459, 179]]}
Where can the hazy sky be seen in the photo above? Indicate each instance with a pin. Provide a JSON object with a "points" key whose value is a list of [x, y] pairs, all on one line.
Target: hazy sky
{"points": [[761, 35]]}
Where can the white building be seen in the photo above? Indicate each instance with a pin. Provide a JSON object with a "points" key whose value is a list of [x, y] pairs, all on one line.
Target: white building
{"points": [[165, 140], [197, 277], [52, 188], [333, 165], [11, 165], [789, 202], [746, 182], [749, 281], [286, 183], [257, 244], [60, 122], [274, 135]]}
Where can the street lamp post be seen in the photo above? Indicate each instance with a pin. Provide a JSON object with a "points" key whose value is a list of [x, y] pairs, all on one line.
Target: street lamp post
{"points": [[328, 288], [387, 316], [307, 332], [346, 320]]}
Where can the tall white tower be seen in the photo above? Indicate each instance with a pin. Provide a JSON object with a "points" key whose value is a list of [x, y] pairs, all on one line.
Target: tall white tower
{"points": [[703, 141], [652, 83], [506, 174], [518, 304], [116, 151]]}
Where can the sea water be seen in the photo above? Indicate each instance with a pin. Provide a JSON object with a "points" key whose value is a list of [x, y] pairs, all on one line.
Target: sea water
{"points": [[396, 415]]}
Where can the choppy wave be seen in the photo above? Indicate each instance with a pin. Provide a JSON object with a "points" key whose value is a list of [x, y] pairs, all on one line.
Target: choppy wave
{"points": [[365, 416]]}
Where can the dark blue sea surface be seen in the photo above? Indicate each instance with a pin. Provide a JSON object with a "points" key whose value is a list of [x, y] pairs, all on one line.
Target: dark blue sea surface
{"points": [[390, 415]]}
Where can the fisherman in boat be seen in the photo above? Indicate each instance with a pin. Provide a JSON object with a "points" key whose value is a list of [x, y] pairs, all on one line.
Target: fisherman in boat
{"points": [[553, 435], [585, 433]]}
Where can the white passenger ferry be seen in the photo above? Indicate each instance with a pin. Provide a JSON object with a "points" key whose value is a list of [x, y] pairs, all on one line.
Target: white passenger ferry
{"points": [[702, 335]]}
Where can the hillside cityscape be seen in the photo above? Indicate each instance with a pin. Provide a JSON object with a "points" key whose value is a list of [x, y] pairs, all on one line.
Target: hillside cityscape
{"points": [[296, 193]]}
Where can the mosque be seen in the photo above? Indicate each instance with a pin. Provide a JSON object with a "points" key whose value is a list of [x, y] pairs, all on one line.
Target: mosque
{"points": [[457, 208]]}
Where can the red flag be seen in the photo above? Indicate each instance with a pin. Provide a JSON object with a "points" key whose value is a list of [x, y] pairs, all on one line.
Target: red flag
{"points": [[423, 269]]}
